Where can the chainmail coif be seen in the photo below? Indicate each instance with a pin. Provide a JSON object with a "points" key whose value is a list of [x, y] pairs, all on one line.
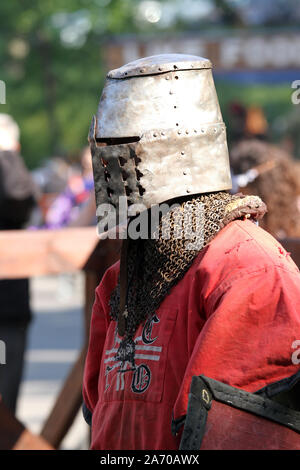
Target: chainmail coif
{"points": [[156, 265]]}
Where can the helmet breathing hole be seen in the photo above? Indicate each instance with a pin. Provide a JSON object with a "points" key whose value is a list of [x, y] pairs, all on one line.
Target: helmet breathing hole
{"points": [[122, 161], [106, 175], [139, 174], [141, 190], [109, 191], [137, 160], [124, 175]]}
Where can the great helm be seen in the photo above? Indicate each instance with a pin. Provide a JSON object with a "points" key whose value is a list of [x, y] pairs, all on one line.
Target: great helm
{"points": [[158, 133]]}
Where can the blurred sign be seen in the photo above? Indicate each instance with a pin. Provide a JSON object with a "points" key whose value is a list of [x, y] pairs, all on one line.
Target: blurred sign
{"points": [[241, 51]]}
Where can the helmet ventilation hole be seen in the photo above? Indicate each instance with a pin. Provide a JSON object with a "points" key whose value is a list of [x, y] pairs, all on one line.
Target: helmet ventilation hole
{"points": [[124, 175], [137, 160], [122, 161], [141, 190], [139, 174], [109, 191]]}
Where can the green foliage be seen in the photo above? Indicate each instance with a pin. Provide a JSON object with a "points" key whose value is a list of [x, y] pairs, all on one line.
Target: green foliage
{"points": [[52, 87], [51, 62]]}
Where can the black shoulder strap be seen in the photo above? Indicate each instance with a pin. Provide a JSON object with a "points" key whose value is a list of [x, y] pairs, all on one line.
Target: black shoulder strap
{"points": [[285, 391]]}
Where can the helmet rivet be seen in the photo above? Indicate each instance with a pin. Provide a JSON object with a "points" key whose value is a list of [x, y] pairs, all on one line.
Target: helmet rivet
{"points": [[195, 131], [188, 190], [171, 92], [182, 152], [162, 133], [160, 69], [186, 132], [155, 134], [184, 172], [167, 77], [202, 130], [179, 132]]}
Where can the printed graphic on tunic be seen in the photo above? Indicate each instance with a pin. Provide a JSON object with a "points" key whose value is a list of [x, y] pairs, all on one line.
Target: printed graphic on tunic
{"points": [[145, 350]]}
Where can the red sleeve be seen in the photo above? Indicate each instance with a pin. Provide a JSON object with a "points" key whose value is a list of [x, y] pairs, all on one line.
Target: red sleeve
{"points": [[246, 342], [99, 324]]}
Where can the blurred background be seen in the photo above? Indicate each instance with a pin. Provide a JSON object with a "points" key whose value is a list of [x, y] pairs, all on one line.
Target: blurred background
{"points": [[54, 55]]}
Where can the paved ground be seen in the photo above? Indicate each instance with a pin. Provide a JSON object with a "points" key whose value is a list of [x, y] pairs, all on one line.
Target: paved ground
{"points": [[54, 341]]}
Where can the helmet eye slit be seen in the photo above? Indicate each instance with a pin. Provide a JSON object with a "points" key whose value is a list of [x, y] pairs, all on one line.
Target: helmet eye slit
{"points": [[108, 141]]}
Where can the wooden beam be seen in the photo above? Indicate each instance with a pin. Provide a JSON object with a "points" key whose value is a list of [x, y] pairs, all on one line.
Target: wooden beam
{"points": [[27, 253], [66, 407], [29, 441], [14, 435], [69, 400]]}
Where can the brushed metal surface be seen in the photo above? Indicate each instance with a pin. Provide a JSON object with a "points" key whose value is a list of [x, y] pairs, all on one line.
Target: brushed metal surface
{"points": [[136, 105], [175, 113]]}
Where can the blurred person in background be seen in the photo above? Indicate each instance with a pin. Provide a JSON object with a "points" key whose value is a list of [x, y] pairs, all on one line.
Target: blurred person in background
{"points": [[238, 115], [51, 178], [269, 172], [256, 125], [17, 199], [247, 123], [75, 206]]}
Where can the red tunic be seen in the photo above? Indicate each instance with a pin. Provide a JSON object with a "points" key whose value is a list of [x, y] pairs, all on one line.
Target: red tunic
{"points": [[234, 317]]}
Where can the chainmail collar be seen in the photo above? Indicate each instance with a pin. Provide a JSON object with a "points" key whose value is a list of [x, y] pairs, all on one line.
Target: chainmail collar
{"points": [[156, 265]]}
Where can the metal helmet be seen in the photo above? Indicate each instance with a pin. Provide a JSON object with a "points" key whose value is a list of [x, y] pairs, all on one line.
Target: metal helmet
{"points": [[158, 133]]}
